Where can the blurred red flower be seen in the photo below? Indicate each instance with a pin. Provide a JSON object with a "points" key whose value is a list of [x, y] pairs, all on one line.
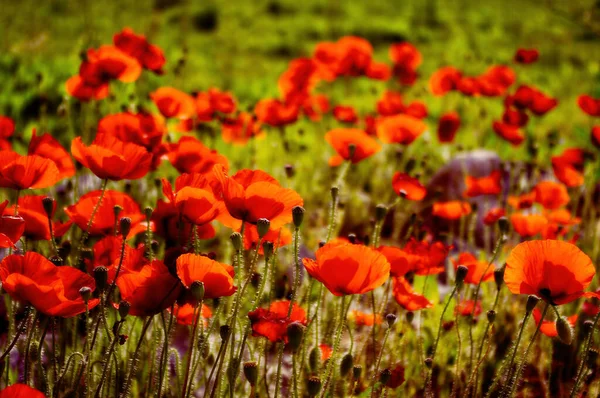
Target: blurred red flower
{"points": [[273, 323], [341, 139], [149, 56]]}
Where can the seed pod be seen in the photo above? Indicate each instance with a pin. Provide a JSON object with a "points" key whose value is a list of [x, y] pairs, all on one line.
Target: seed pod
{"points": [[148, 212], [313, 386], [101, 278], [503, 225], [124, 307], [268, 249], [295, 332], [262, 227], [384, 376], [499, 277], [410, 316], [356, 372], [224, 332], [390, 319], [428, 362], [313, 359], [251, 372], [197, 290], [461, 273], [236, 240], [380, 212], [85, 293], [48, 204], [491, 316], [125, 226], [298, 215]]}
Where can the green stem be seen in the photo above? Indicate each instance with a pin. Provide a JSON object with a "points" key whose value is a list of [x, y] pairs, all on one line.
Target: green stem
{"points": [[133, 366], [582, 365]]}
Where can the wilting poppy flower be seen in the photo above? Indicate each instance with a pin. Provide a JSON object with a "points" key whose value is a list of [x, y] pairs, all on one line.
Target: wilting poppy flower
{"points": [[401, 129], [568, 167], [390, 104], [11, 227], [348, 268], [217, 277], [521, 202], [406, 297], [110, 158], [408, 187], [326, 351], [468, 307], [149, 290], [51, 290], [528, 225], [240, 129], [444, 80], [549, 327], [21, 391], [7, 128], [273, 323], [253, 194], [279, 237], [345, 114], [509, 133], [191, 156], [341, 139], [448, 125], [104, 219], [363, 319], [31, 209], [589, 105], [276, 113], [27, 172], [148, 55], [515, 117], [554, 270], [526, 55], [48, 147], [487, 185], [184, 314], [476, 268], [452, 210], [493, 215], [174, 103], [551, 195]]}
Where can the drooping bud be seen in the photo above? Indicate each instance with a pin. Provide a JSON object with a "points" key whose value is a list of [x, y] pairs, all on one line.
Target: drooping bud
{"points": [[380, 212], [313, 359], [85, 293], [236, 240], [197, 289], [251, 372], [531, 303], [346, 364], [289, 170], [564, 329], [334, 193], [499, 277], [125, 226], [295, 332], [588, 325], [298, 215], [390, 319], [313, 386], [117, 210], [262, 227], [410, 316], [491, 316], [48, 204], [101, 277], [124, 307]]}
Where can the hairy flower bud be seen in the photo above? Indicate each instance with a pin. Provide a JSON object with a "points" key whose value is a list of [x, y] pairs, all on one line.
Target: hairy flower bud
{"points": [[531, 303], [262, 227], [251, 372], [125, 226], [236, 240], [564, 329], [298, 215]]}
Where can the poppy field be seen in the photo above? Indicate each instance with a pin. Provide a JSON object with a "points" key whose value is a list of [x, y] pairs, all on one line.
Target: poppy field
{"points": [[283, 199]]}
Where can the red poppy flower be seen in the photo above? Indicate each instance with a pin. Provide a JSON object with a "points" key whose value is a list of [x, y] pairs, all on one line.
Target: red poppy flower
{"points": [[562, 217], [48, 147], [299, 79], [380, 71], [405, 54], [345, 114], [326, 351], [217, 277], [173, 103], [406, 297], [137, 46], [253, 194], [496, 80], [240, 129], [279, 237], [551, 195], [420, 257], [110, 158], [341, 139], [184, 314], [402, 129], [166, 220], [468, 307], [416, 109], [107, 253], [493, 215], [51, 290], [214, 102], [595, 135], [452, 210], [21, 391], [528, 225], [542, 104], [487, 185], [349, 56], [149, 290], [191, 156], [76, 87], [390, 104], [363, 319], [521, 202], [509, 133], [108, 63], [526, 55], [444, 80], [11, 227], [27, 172], [476, 268], [276, 113], [104, 219], [589, 105], [554, 270], [348, 268], [469, 86], [515, 117], [31, 209], [448, 125], [549, 327], [7, 128], [408, 187], [315, 106], [273, 323], [397, 377]]}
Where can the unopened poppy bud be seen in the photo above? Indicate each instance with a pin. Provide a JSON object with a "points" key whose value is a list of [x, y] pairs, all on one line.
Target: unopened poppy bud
{"points": [[334, 193], [295, 331], [352, 238], [346, 364], [384, 376], [124, 307], [499, 277], [236, 240], [491, 316], [251, 372], [564, 329], [428, 362], [531, 303], [298, 215], [356, 371], [224, 332], [351, 151], [101, 277], [268, 249], [313, 386], [410, 316], [289, 170], [148, 212], [262, 227], [125, 226], [390, 319], [461, 273], [380, 212], [85, 293], [48, 204], [313, 359], [117, 210], [197, 289], [503, 225]]}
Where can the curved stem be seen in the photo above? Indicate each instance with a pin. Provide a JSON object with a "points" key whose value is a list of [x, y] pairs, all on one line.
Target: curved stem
{"points": [[133, 366]]}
